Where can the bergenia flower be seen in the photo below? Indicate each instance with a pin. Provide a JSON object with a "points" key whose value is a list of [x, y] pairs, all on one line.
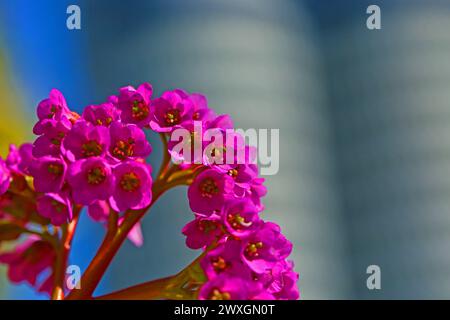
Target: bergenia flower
{"points": [[114, 100], [200, 110], [225, 258], [85, 140], [13, 158], [134, 104], [54, 107], [5, 177], [170, 111], [240, 217], [208, 191], [101, 115], [256, 192], [222, 121], [55, 207], [133, 184], [243, 176], [283, 281], [202, 231], [20, 158], [265, 247], [128, 141], [48, 173], [99, 161], [225, 287], [91, 180], [52, 134], [29, 260], [99, 210], [25, 158]]}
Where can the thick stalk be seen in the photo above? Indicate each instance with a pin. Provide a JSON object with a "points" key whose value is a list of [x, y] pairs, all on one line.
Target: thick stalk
{"points": [[63, 255]]}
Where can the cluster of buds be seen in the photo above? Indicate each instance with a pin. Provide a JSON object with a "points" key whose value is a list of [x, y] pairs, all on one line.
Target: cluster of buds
{"points": [[97, 160]]}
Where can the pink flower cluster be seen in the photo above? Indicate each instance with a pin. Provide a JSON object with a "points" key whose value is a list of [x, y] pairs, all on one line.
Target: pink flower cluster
{"points": [[98, 160], [248, 255]]}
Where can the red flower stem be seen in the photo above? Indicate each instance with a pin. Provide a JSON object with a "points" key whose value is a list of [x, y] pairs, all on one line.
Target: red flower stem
{"points": [[145, 291], [62, 256], [111, 244], [166, 158]]}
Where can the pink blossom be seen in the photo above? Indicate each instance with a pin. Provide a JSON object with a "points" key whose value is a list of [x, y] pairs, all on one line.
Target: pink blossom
{"points": [[283, 281], [101, 115], [240, 217], [225, 259], [54, 108], [133, 185], [55, 207], [202, 231], [225, 287], [200, 110], [85, 140], [91, 180], [5, 177], [170, 111], [48, 173], [135, 104], [28, 260], [128, 141], [265, 247], [99, 210], [52, 134], [208, 191]]}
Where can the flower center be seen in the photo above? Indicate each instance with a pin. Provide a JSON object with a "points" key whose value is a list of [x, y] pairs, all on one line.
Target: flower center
{"points": [[130, 182], [172, 117], [252, 249], [216, 294], [217, 155], [91, 148], [236, 221], [96, 175], [139, 110], [233, 173], [206, 226], [123, 149], [196, 116], [208, 188], [107, 121], [57, 139], [55, 168], [53, 110], [219, 264], [58, 206]]}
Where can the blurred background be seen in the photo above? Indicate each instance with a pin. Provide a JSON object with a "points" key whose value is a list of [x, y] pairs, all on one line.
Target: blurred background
{"points": [[364, 119]]}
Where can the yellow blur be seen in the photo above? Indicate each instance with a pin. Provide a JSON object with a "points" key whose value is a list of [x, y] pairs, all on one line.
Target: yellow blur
{"points": [[14, 125]]}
